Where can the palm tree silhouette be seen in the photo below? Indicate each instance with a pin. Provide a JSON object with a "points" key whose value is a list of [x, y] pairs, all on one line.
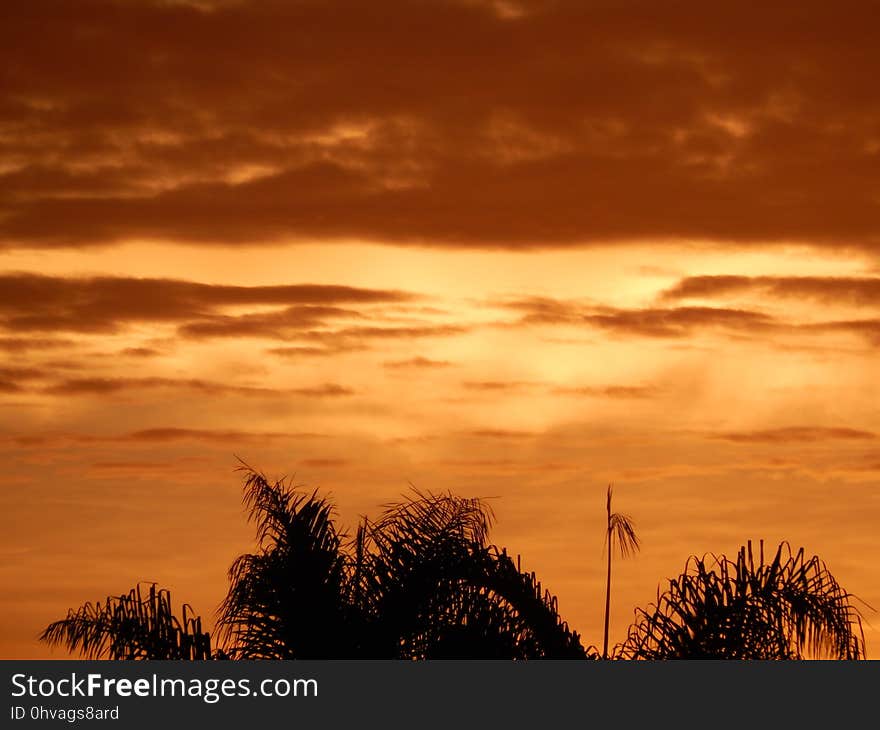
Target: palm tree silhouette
{"points": [[422, 581], [788, 608], [419, 582], [620, 533], [132, 626]]}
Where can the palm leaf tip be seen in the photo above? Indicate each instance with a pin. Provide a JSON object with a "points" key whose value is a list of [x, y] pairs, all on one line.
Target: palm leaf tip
{"points": [[622, 533]]}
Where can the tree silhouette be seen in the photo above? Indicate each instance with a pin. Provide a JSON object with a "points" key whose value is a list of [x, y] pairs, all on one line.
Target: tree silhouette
{"points": [[419, 582], [620, 533], [132, 626], [422, 581], [788, 608]]}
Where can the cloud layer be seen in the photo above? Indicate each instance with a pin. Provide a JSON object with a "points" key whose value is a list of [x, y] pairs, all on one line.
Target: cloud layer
{"points": [[456, 123], [32, 303]]}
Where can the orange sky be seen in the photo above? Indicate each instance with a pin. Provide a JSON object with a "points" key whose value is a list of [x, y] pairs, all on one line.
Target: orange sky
{"points": [[516, 250]]}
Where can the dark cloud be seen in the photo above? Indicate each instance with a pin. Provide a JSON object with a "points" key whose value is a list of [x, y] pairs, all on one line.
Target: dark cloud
{"points": [[858, 291], [297, 323], [276, 325], [623, 392], [140, 352], [295, 352], [32, 302], [501, 433], [451, 123], [165, 434], [24, 344], [497, 385], [677, 322], [14, 379], [347, 339], [417, 363], [328, 390], [661, 322], [796, 434], [868, 329], [684, 321], [324, 463], [394, 333], [109, 386], [544, 310], [21, 373]]}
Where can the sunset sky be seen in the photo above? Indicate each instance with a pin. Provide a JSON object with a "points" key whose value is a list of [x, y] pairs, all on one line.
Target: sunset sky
{"points": [[516, 250]]}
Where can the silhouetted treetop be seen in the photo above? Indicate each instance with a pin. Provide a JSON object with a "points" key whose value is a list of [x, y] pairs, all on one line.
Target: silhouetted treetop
{"points": [[788, 608]]}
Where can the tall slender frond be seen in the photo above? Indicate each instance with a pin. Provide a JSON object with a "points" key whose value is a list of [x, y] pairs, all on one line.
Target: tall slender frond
{"points": [[620, 532]]}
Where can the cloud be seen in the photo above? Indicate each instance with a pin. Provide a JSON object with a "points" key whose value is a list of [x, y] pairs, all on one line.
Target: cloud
{"points": [[277, 324], [623, 392], [140, 352], [110, 386], [169, 434], [868, 329], [497, 385], [796, 434], [857, 291], [13, 379], [347, 339], [684, 321], [544, 310], [324, 463], [162, 434], [301, 351], [614, 392], [328, 390], [501, 433], [297, 323], [23, 344], [671, 322], [676, 322], [564, 123], [21, 373], [417, 363], [394, 333], [36, 303]]}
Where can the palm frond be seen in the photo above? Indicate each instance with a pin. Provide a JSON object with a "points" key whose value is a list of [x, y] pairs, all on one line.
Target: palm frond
{"points": [[622, 535], [431, 586], [788, 608], [285, 601], [407, 558], [131, 626]]}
